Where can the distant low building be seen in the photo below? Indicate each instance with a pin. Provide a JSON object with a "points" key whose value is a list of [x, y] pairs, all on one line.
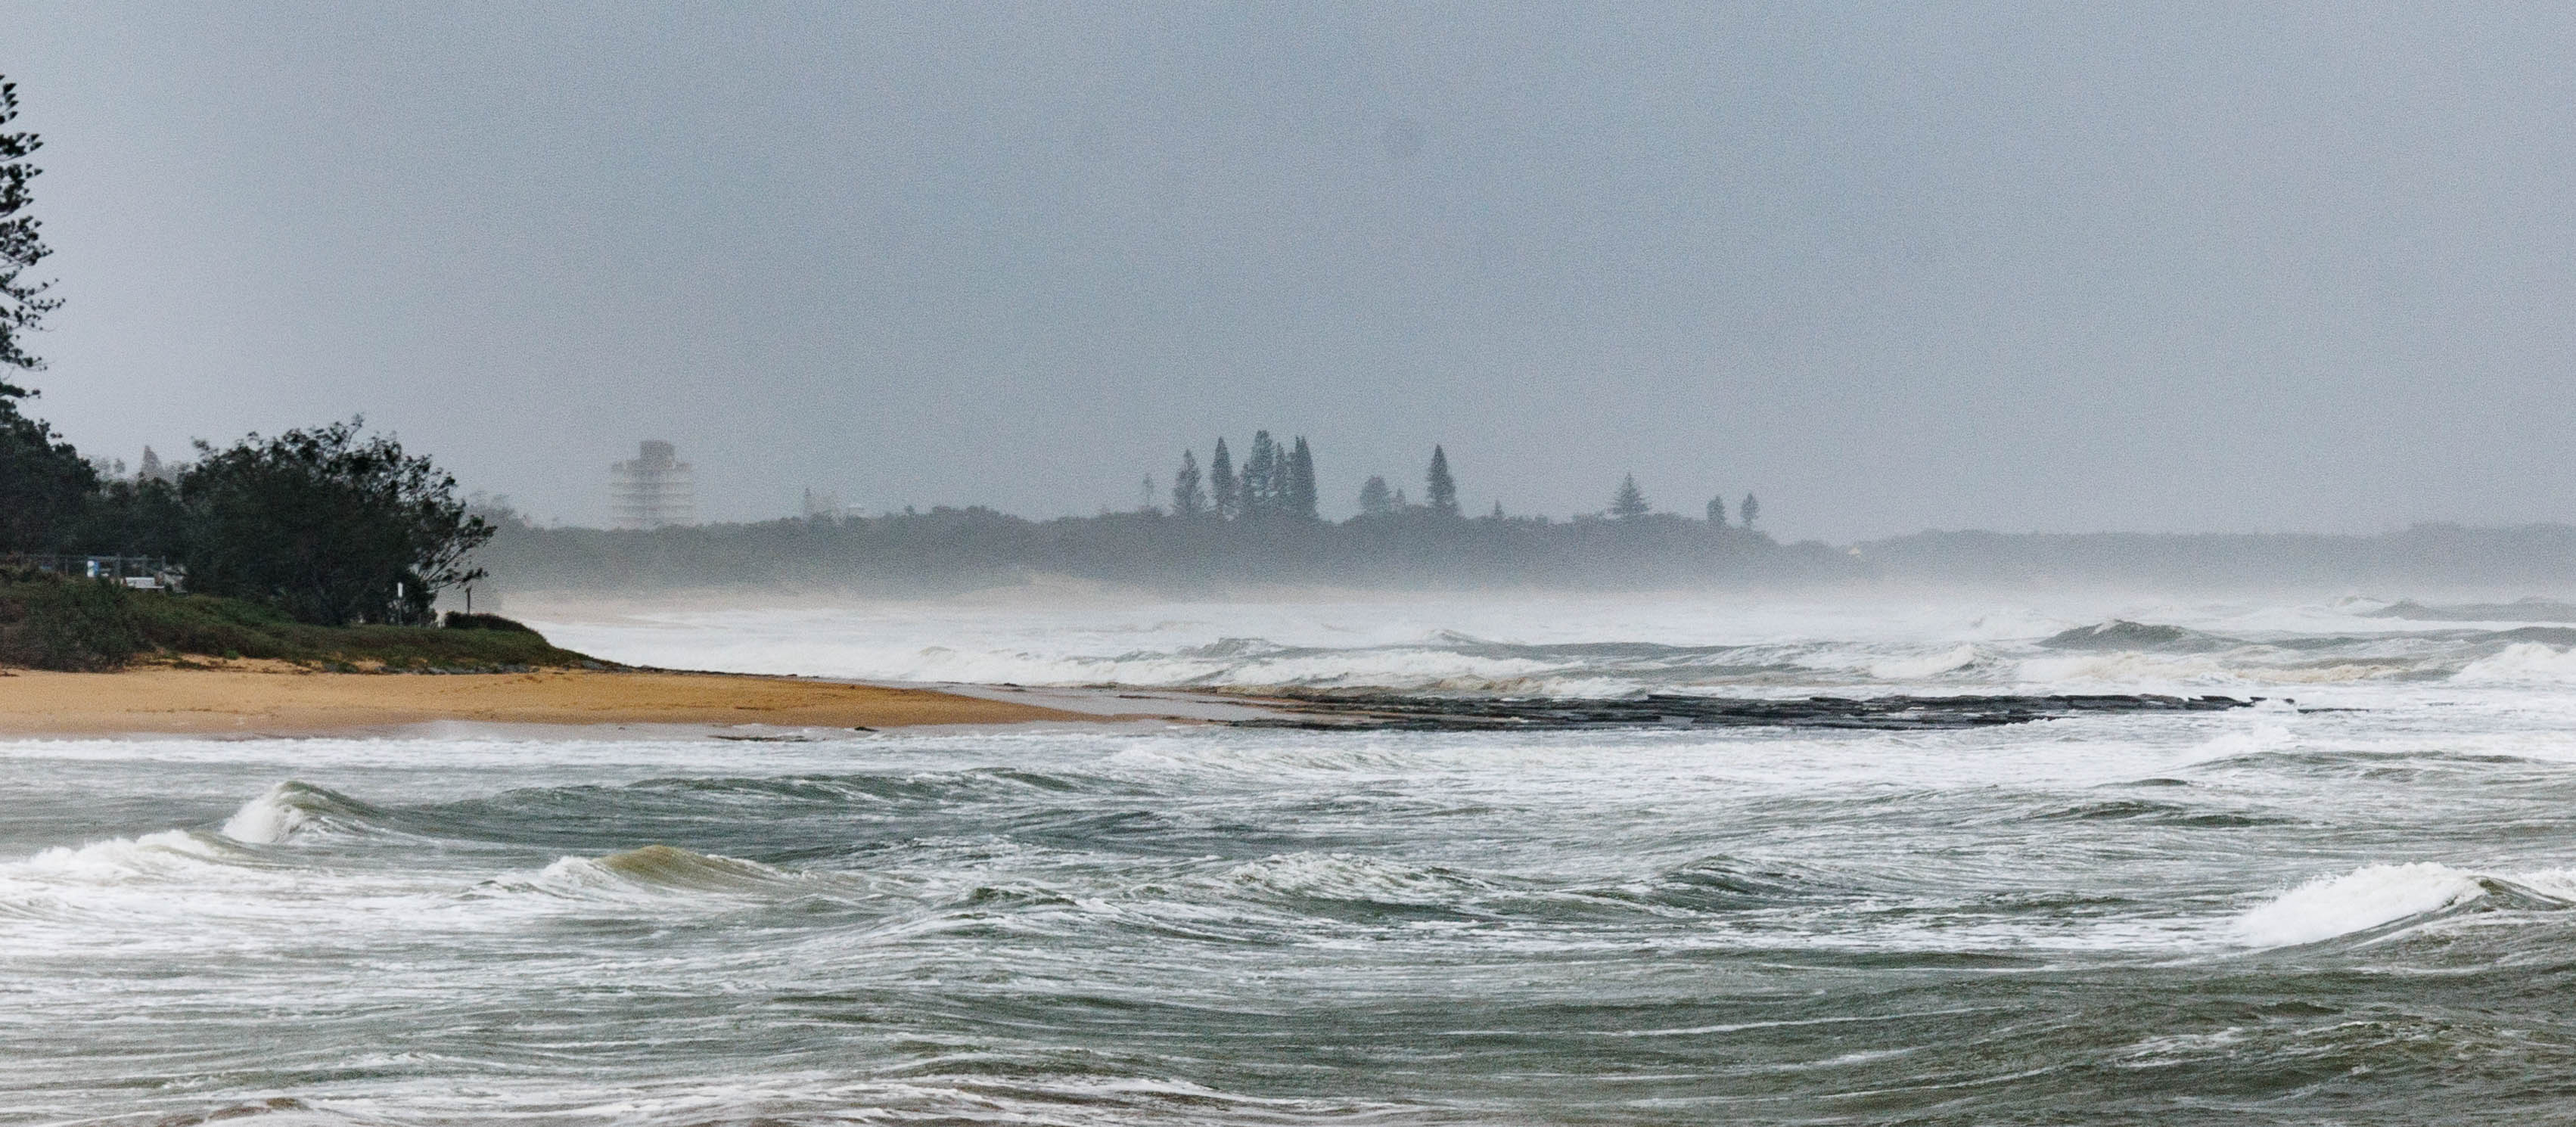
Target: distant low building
{"points": [[824, 506], [655, 490]]}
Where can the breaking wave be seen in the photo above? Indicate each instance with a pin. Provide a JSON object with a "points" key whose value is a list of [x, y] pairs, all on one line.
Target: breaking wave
{"points": [[2521, 663], [2377, 896], [291, 809], [2121, 634], [656, 872], [164, 855]]}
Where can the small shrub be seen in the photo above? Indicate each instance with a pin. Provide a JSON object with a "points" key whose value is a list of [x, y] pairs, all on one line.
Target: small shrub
{"points": [[458, 620], [74, 626]]}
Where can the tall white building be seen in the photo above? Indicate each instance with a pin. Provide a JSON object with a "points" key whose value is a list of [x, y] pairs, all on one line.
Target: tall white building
{"points": [[652, 491]]}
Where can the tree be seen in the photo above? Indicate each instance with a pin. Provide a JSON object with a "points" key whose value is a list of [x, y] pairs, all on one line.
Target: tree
{"points": [[1301, 482], [1631, 502], [1188, 500], [327, 526], [1222, 483], [1375, 499], [1441, 491], [1717, 512], [44, 484], [22, 299], [140, 516], [1261, 478], [1751, 507]]}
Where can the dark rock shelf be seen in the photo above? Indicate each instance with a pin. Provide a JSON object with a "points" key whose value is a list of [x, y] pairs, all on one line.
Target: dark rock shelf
{"points": [[1397, 712]]}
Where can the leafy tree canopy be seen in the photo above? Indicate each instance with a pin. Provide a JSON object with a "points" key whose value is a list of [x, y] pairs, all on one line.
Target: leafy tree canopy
{"points": [[1375, 498], [329, 526], [44, 484]]}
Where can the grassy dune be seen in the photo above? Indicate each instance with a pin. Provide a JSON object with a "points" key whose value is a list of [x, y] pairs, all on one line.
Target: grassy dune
{"points": [[83, 626]]}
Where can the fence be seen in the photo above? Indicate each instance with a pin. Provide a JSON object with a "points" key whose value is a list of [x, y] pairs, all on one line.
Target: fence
{"points": [[147, 572]]}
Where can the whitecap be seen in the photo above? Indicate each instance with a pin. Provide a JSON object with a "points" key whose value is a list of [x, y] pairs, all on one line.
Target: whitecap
{"points": [[290, 809], [2521, 663], [2365, 898]]}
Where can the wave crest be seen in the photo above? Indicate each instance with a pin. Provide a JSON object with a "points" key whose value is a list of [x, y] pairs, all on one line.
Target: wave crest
{"points": [[663, 870], [2367, 897], [292, 809], [2521, 663]]}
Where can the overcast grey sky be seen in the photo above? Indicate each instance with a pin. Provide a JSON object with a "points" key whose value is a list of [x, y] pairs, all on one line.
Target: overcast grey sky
{"points": [[2016, 266]]}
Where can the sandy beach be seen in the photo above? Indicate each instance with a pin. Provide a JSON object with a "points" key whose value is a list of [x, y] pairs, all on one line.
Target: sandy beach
{"points": [[271, 699]]}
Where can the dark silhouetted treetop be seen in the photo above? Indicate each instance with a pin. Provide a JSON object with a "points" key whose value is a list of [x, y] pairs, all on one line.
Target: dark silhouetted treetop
{"points": [[1717, 512], [1631, 502], [1440, 491], [45, 485], [1301, 482], [1261, 478], [1375, 498], [330, 527], [1222, 483], [22, 298], [1750, 509], [1188, 498]]}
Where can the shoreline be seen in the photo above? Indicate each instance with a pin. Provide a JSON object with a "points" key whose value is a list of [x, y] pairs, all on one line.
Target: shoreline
{"points": [[273, 699]]}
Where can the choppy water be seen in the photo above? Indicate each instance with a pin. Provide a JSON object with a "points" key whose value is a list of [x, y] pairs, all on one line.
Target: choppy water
{"points": [[2271, 915]]}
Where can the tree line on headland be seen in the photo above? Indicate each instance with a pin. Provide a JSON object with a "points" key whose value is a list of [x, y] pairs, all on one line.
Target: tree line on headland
{"points": [[1278, 483], [1221, 526], [329, 525]]}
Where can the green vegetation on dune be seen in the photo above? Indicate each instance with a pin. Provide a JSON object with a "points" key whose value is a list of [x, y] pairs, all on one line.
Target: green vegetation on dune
{"points": [[48, 622]]}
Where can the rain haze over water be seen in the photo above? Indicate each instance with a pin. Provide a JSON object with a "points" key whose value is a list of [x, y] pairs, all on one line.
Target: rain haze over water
{"points": [[2191, 268], [1423, 816]]}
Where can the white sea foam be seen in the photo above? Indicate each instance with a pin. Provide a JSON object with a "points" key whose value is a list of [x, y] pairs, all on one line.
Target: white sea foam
{"points": [[165, 854], [2365, 898], [2521, 663], [1338, 876], [1261, 876]]}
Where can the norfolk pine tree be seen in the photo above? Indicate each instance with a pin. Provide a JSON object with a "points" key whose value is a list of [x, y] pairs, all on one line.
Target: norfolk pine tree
{"points": [[22, 299], [1631, 501], [1188, 499], [1261, 478], [1227, 492], [1441, 490], [44, 483], [1301, 482]]}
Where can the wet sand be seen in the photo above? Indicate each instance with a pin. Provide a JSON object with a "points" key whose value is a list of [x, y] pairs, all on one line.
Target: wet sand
{"points": [[251, 698]]}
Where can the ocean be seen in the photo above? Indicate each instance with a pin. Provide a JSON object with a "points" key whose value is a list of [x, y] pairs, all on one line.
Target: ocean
{"points": [[2348, 903]]}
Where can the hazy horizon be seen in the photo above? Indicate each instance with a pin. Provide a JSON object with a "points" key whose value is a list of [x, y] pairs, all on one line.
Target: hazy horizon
{"points": [[2196, 269]]}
